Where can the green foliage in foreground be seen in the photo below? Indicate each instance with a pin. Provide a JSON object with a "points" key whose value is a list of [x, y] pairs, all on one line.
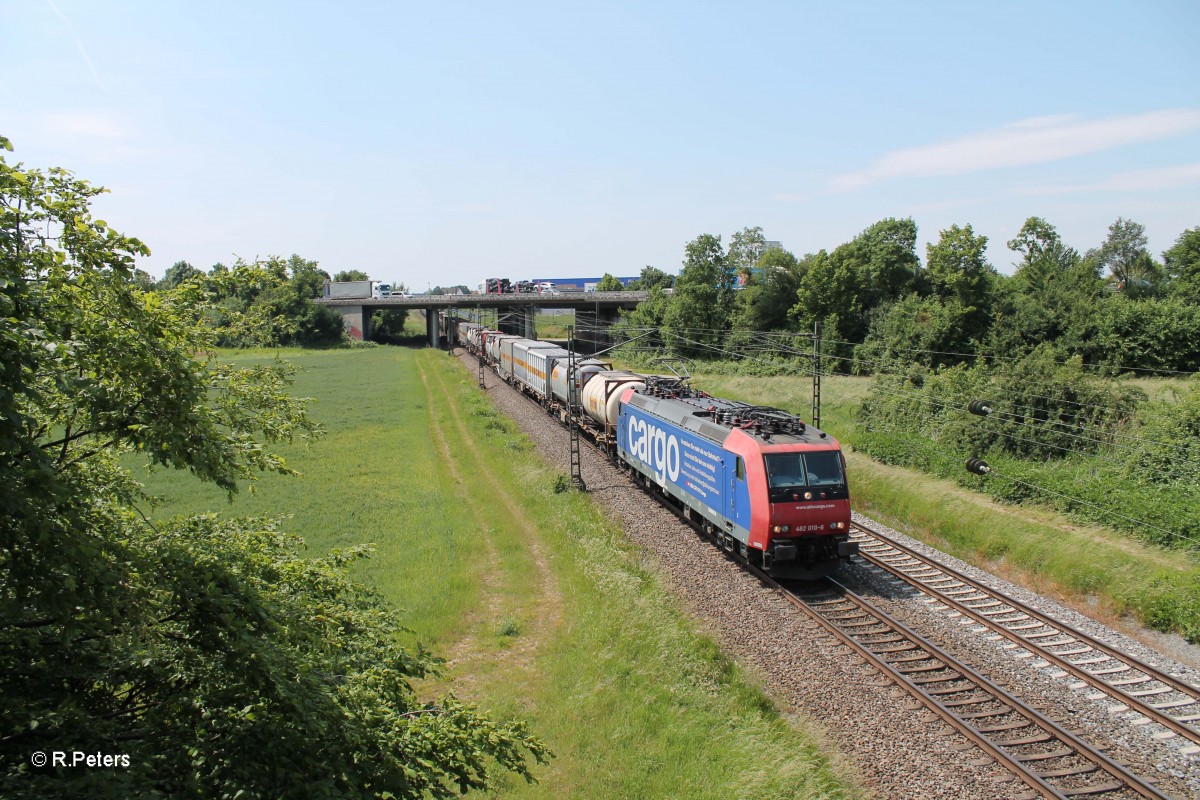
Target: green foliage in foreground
{"points": [[213, 656]]}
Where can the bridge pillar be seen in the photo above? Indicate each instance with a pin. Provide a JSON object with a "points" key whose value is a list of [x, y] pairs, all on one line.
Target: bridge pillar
{"points": [[529, 320], [431, 326], [509, 322], [591, 329], [356, 321]]}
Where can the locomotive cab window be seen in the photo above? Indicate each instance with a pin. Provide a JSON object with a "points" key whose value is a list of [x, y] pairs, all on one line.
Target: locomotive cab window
{"points": [[788, 472], [785, 470], [741, 469], [824, 469]]}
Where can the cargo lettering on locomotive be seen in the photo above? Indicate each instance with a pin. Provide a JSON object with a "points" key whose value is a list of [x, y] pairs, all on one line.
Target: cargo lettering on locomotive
{"points": [[655, 448], [673, 456]]}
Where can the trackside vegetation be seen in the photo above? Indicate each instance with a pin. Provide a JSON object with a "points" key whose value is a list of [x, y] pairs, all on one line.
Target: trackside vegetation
{"points": [[538, 604]]}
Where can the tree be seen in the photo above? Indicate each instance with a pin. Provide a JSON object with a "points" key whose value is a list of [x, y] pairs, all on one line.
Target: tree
{"points": [[650, 278], [745, 248], [143, 280], [875, 268], [884, 260], [178, 273], [1053, 297], [1036, 239], [288, 305], [958, 270], [352, 275], [1182, 266], [1126, 256], [764, 303], [698, 314], [208, 651], [609, 284], [831, 287]]}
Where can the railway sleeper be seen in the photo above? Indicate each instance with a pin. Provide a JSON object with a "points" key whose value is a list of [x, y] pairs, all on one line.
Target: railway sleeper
{"points": [[1082, 769], [929, 668], [1103, 788], [909, 659], [1008, 726], [1037, 738], [935, 679], [955, 690], [985, 714], [969, 702], [1061, 752]]}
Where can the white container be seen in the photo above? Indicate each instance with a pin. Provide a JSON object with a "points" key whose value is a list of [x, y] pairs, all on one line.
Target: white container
{"points": [[532, 365], [512, 350], [494, 341]]}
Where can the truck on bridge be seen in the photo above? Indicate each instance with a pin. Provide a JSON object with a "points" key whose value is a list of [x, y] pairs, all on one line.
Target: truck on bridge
{"points": [[352, 290]]}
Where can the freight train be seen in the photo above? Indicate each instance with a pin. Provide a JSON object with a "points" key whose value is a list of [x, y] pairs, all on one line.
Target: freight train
{"points": [[761, 482]]}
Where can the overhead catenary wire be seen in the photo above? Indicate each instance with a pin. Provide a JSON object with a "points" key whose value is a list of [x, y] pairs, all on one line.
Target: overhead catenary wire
{"points": [[787, 334], [1024, 419], [1080, 501]]}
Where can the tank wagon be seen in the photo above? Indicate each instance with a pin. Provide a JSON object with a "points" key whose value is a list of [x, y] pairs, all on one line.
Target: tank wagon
{"points": [[760, 481]]}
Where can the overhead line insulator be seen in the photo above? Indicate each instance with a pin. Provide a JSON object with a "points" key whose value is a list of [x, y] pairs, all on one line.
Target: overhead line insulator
{"points": [[978, 466], [980, 408]]}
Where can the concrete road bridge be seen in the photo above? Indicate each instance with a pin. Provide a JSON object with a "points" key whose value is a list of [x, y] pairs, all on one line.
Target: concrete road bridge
{"points": [[511, 313]]}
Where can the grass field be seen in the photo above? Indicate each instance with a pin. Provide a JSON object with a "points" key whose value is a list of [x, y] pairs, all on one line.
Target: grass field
{"points": [[537, 602]]}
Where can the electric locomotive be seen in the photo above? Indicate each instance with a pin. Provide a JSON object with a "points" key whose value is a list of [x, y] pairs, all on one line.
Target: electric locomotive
{"points": [[758, 479]]}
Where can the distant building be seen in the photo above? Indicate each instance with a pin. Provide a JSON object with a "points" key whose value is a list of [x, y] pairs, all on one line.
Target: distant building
{"points": [[579, 284]]}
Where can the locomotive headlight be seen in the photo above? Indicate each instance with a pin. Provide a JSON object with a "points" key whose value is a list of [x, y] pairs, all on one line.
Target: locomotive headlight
{"points": [[781, 529], [808, 495], [837, 525]]}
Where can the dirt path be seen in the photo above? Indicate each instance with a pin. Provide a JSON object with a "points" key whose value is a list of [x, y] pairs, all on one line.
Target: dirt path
{"points": [[485, 500]]}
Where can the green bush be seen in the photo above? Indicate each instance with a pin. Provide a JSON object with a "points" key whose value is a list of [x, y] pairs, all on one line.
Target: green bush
{"points": [[1094, 449]]}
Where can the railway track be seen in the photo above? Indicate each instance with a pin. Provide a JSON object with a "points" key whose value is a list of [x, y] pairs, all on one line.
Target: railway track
{"points": [[1142, 692], [1038, 750]]}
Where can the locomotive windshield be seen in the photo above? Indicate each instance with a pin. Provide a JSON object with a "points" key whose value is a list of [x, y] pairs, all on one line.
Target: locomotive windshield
{"points": [[791, 470]]}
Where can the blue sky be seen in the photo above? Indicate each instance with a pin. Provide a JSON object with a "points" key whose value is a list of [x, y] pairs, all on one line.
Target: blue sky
{"points": [[441, 143]]}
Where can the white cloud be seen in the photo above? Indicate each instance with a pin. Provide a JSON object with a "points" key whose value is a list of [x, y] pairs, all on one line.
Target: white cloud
{"points": [[1144, 180], [1031, 141]]}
